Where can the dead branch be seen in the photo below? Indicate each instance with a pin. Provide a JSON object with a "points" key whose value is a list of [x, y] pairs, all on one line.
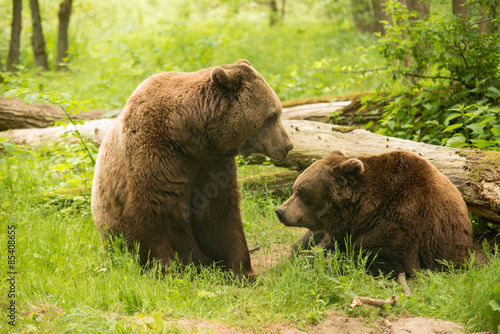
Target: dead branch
{"points": [[359, 301], [401, 280]]}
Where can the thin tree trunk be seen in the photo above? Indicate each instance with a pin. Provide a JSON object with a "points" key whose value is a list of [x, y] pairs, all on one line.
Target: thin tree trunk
{"points": [[62, 43], [37, 37], [460, 9], [15, 36], [367, 15], [283, 11], [420, 6], [273, 14]]}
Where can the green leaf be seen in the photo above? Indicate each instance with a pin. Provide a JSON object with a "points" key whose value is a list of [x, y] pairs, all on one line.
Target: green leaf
{"points": [[495, 305], [31, 98], [452, 116], [468, 77], [487, 120], [457, 141], [11, 93], [8, 147], [368, 125], [481, 143], [452, 127], [477, 129], [494, 90], [495, 130]]}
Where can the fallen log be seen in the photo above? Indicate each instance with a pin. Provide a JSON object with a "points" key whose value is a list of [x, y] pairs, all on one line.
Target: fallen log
{"points": [[475, 173], [15, 114]]}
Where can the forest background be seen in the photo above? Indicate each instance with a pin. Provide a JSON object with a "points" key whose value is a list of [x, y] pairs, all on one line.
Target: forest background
{"points": [[432, 73]]}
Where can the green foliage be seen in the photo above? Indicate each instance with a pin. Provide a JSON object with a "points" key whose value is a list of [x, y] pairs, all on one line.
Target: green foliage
{"points": [[444, 74], [113, 48]]}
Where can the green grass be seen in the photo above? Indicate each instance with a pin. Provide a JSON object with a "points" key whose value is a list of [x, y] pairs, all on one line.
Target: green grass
{"points": [[67, 284]]}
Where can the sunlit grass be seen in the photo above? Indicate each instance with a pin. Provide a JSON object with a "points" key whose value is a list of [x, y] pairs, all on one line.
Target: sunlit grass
{"points": [[66, 283]]}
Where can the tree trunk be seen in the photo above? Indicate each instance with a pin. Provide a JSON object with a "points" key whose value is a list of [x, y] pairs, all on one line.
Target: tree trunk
{"points": [[475, 173], [15, 114], [15, 36], [460, 9], [273, 12], [282, 11], [37, 37], [367, 15], [62, 43], [420, 6]]}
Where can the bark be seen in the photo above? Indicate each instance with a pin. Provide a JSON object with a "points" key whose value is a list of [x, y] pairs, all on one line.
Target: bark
{"points": [[62, 43], [460, 9], [367, 15], [37, 39], [15, 36], [15, 114], [273, 12], [420, 6], [402, 281], [359, 301], [475, 173]]}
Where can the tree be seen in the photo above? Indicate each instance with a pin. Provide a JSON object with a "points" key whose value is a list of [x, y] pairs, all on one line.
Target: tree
{"points": [[273, 14], [15, 36], [62, 44], [37, 37], [420, 6], [367, 15]]}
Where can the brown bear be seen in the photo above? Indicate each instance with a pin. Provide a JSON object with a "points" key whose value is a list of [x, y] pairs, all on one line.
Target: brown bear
{"points": [[165, 176], [395, 205]]}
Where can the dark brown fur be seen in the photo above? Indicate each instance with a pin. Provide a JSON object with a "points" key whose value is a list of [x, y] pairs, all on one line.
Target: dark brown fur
{"points": [[395, 205], [166, 174]]}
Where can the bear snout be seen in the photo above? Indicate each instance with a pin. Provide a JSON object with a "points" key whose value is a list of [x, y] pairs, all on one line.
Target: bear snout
{"points": [[289, 148], [279, 213]]}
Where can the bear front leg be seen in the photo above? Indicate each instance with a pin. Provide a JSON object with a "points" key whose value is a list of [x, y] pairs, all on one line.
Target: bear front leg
{"points": [[178, 244], [216, 218]]}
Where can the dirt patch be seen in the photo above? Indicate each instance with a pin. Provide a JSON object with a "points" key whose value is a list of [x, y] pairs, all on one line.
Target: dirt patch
{"points": [[334, 324]]}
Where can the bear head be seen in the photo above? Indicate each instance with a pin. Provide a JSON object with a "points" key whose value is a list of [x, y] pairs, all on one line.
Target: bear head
{"points": [[251, 114], [321, 193]]}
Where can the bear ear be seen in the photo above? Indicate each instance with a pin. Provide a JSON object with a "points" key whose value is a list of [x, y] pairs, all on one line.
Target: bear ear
{"points": [[351, 169], [243, 62], [337, 152], [222, 78]]}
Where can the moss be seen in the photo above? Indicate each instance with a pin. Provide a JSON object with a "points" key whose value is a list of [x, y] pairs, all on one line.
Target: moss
{"points": [[322, 99], [481, 164], [343, 129]]}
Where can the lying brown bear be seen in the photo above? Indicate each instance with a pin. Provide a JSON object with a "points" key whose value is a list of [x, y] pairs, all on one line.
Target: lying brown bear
{"points": [[395, 205]]}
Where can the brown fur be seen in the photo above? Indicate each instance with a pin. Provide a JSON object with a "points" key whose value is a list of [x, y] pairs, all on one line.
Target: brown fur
{"points": [[166, 174], [395, 205]]}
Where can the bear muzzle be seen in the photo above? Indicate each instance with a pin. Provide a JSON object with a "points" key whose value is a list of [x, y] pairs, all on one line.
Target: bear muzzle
{"points": [[279, 213]]}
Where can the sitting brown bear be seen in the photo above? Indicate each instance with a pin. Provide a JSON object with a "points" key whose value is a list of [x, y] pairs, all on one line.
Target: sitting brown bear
{"points": [[165, 176], [395, 205]]}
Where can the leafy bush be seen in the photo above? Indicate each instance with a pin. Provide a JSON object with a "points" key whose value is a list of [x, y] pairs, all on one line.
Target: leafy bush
{"points": [[444, 75]]}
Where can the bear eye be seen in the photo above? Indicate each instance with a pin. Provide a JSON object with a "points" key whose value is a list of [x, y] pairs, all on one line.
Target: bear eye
{"points": [[273, 117], [302, 193]]}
